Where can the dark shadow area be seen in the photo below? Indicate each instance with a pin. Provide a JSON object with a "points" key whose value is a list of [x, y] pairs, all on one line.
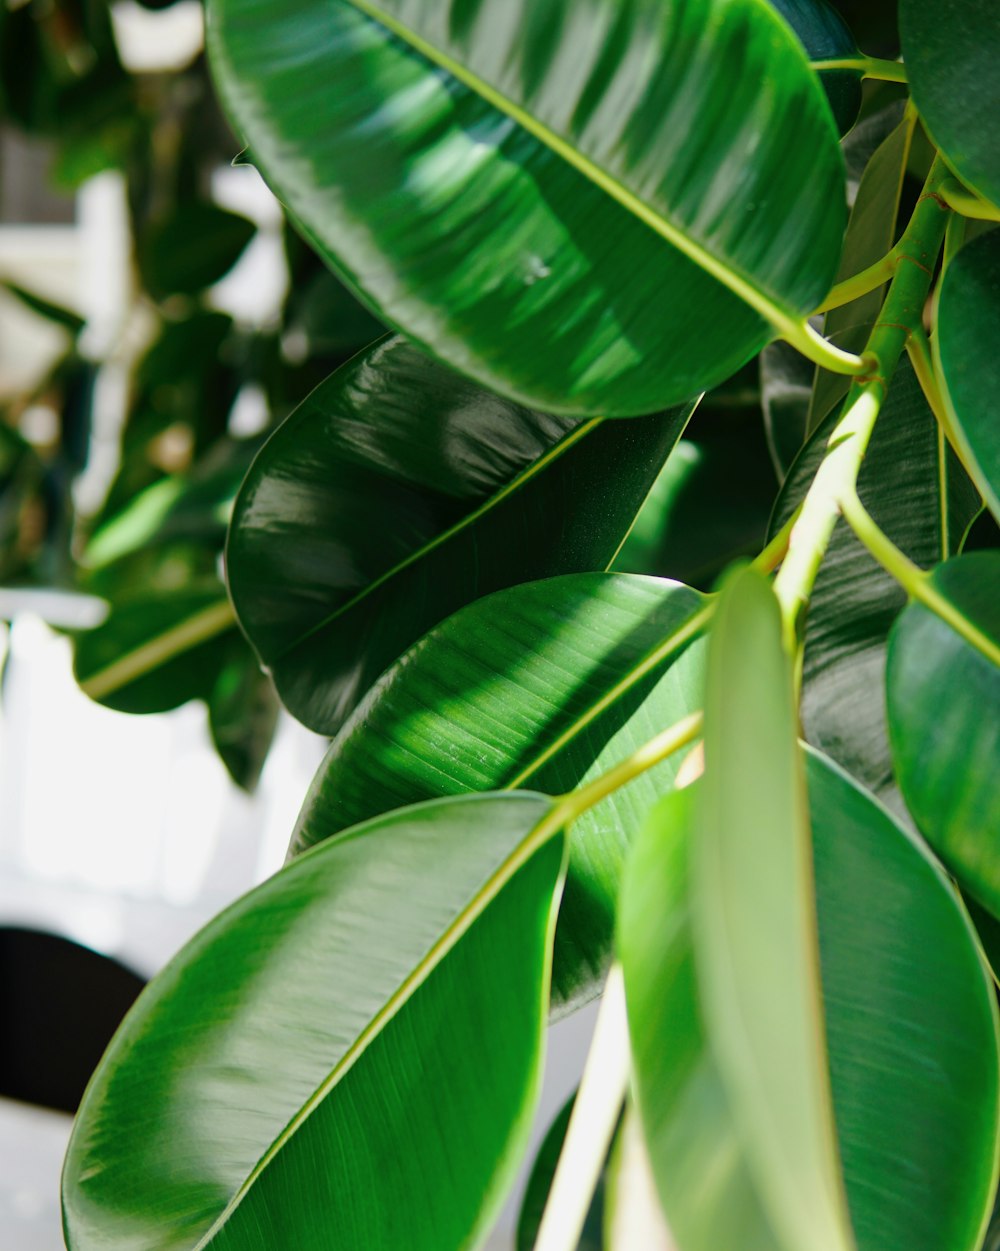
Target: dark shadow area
{"points": [[60, 1003]]}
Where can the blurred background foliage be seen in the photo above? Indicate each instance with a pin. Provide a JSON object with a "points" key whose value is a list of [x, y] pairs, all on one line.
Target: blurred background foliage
{"points": [[203, 388]]}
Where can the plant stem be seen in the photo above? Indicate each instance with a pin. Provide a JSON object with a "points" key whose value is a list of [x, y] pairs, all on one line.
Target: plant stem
{"points": [[917, 583], [812, 345], [954, 237], [919, 352], [658, 749], [591, 1125], [867, 67], [860, 284], [838, 474], [967, 202]]}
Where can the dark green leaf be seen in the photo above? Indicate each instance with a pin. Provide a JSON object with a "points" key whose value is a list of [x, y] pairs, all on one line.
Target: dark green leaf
{"points": [[242, 714], [871, 232], [951, 65], [944, 722], [786, 384], [63, 317], [311, 1064], [825, 36], [196, 247], [541, 194], [854, 602], [968, 332], [546, 685], [911, 1035], [754, 923], [399, 492]]}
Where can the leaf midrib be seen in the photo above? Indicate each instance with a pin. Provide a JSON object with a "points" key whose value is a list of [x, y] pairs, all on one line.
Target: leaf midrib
{"points": [[784, 321], [549, 826]]}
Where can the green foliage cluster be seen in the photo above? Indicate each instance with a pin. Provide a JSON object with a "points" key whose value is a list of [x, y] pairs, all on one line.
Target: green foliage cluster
{"points": [[683, 289]]}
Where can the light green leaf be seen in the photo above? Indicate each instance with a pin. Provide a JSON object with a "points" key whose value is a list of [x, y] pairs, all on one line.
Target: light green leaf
{"points": [[311, 1065], [944, 723], [397, 493], [919, 495], [951, 65], [592, 208], [544, 685], [910, 1024], [965, 346], [754, 924]]}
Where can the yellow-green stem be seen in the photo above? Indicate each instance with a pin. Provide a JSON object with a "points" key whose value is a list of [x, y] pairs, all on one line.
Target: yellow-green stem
{"points": [[838, 474], [966, 202], [867, 67]]}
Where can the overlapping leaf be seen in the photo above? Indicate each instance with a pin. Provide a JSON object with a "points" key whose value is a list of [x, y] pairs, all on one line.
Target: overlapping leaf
{"points": [[281, 1081], [910, 1025], [919, 495], [951, 66], [543, 685], [543, 194], [398, 493], [968, 331], [944, 721]]}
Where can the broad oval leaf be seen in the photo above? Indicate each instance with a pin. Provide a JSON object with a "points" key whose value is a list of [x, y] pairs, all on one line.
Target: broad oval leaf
{"points": [[593, 208], [399, 492], [544, 685], [293, 1057], [951, 66], [754, 923], [910, 1024], [968, 331], [920, 496], [944, 722]]}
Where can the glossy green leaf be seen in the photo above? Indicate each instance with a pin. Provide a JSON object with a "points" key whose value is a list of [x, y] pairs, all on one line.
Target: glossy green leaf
{"points": [[242, 714], [544, 685], [825, 36], [910, 1024], [571, 204], [925, 512], [291, 1061], [968, 331], [881, 147], [399, 492], [754, 923], [951, 65], [540, 1182], [944, 722], [156, 650]]}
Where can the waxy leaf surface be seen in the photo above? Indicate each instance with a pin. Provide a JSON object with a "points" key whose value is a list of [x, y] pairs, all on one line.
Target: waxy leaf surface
{"points": [[592, 208], [397, 493], [310, 1066], [544, 685]]}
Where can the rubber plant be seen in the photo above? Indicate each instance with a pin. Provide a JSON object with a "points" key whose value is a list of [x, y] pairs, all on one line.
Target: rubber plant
{"points": [[759, 817]]}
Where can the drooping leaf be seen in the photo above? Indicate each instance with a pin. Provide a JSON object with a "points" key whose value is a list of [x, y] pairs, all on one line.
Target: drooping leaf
{"points": [[951, 66], [944, 723], [518, 187], [919, 495], [968, 331], [754, 923], [871, 232], [242, 713], [540, 1183], [910, 1024], [544, 685], [826, 37], [399, 492], [292, 1058]]}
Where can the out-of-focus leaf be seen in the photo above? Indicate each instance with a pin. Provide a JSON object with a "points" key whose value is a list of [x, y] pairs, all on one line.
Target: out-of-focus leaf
{"points": [[398, 493], [540, 1182], [944, 723], [905, 997], [565, 194], [333, 1006], [63, 317], [632, 1213], [242, 714], [195, 247], [545, 685]]}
